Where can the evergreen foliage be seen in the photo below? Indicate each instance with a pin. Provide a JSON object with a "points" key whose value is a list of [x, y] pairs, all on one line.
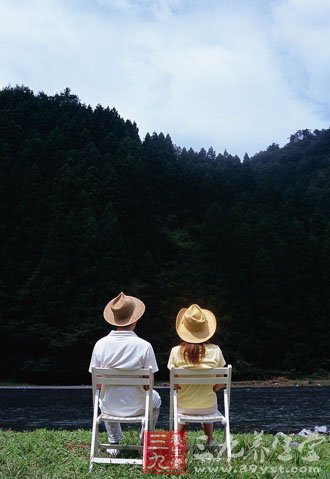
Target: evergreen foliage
{"points": [[88, 210]]}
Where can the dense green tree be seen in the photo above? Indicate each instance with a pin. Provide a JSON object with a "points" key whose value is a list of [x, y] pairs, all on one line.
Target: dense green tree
{"points": [[88, 210]]}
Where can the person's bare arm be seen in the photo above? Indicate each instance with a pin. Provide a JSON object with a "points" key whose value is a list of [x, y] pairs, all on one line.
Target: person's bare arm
{"points": [[98, 386], [177, 387], [146, 387], [217, 387]]}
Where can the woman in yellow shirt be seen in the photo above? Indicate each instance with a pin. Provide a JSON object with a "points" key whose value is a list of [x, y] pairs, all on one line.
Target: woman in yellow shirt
{"points": [[195, 326]]}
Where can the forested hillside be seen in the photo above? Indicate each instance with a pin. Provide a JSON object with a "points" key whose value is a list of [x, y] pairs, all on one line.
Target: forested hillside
{"points": [[89, 210]]}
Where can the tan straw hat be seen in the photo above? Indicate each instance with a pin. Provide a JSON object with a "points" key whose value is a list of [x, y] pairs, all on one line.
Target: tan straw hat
{"points": [[123, 310], [195, 325]]}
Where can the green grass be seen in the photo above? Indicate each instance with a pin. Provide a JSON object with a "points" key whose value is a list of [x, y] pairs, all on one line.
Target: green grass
{"points": [[48, 454]]}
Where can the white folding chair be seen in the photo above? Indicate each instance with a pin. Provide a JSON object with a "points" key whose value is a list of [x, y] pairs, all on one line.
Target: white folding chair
{"points": [[180, 376], [103, 378]]}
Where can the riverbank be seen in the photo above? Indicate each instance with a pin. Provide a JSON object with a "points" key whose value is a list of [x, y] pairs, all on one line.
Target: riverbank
{"points": [[278, 381], [48, 454], [281, 381]]}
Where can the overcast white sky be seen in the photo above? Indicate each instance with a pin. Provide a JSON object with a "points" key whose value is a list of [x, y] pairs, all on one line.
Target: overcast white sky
{"points": [[231, 74]]}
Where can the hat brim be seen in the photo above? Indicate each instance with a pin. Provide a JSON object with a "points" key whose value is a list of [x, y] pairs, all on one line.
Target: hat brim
{"points": [[199, 336], [136, 315]]}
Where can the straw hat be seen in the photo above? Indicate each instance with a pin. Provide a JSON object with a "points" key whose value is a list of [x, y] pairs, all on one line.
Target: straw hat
{"points": [[195, 325], [123, 310]]}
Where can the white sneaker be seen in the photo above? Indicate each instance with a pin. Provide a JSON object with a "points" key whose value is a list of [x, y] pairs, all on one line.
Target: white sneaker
{"points": [[113, 452]]}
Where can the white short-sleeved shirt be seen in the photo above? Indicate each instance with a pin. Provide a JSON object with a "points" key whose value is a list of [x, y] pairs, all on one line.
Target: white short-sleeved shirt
{"points": [[123, 349]]}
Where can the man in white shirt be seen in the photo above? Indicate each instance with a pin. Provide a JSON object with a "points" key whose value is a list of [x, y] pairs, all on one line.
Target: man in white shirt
{"points": [[122, 348]]}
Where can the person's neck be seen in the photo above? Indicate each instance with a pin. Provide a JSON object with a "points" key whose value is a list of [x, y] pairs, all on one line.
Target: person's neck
{"points": [[130, 327]]}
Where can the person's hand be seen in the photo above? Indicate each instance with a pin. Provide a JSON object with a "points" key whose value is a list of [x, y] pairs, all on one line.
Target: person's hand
{"points": [[217, 387], [177, 387]]}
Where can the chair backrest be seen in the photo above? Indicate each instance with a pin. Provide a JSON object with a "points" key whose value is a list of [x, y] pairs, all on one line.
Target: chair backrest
{"points": [[106, 377], [202, 376], [122, 377]]}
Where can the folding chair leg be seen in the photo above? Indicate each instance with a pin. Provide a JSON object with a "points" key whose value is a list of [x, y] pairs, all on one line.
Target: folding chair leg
{"points": [[95, 434], [227, 428], [94, 444], [228, 445], [175, 412], [175, 426], [148, 422]]}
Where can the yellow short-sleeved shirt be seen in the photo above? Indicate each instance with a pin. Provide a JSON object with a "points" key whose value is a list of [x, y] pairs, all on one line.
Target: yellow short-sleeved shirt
{"points": [[197, 398]]}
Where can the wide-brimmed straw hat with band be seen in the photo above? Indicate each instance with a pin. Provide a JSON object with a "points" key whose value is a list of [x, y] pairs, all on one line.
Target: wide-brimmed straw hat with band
{"points": [[195, 325], [123, 310]]}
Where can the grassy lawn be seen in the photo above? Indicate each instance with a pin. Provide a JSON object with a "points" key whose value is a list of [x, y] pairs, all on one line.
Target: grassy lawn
{"points": [[47, 454]]}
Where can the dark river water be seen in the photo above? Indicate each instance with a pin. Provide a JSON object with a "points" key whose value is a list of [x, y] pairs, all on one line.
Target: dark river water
{"points": [[271, 409]]}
